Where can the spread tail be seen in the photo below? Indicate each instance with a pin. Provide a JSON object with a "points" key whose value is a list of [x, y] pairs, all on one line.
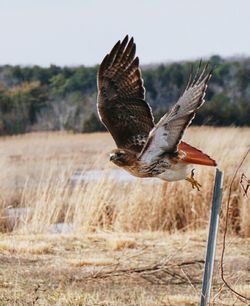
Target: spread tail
{"points": [[195, 156]]}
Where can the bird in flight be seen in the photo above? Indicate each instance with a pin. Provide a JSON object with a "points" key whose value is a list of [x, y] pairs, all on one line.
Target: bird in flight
{"points": [[145, 149]]}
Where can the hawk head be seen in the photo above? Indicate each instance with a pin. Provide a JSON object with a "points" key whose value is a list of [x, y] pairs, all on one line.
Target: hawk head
{"points": [[122, 157]]}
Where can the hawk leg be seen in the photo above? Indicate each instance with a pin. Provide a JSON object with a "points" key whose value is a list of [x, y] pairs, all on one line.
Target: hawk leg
{"points": [[193, 182]]}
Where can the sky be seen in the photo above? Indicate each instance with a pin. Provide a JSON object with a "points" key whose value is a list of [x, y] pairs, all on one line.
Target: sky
{"points": [[81, 32]]}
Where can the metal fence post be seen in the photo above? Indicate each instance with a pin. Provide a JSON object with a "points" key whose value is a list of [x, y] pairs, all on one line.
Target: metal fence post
{"points": [[212, 238]]}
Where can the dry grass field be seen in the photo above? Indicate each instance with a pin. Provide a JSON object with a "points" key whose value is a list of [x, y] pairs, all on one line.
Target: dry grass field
{"points": [[77, 231]]}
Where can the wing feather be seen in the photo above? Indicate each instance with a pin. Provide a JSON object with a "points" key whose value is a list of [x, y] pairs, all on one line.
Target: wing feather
{"points": [[121, 97], [166, 135]]}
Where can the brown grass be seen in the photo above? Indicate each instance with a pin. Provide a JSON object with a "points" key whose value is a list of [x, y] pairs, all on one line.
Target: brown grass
{"points": [[37, 170], [25, 248], [118, 230], [85, 269]]}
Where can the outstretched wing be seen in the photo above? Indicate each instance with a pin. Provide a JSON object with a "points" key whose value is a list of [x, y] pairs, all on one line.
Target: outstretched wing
{"points": [[166, 135], [121, 105]]}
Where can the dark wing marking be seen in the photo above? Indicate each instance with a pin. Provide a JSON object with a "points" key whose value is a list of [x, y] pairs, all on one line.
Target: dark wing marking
{"points": [[121, 105], [166, 135]]}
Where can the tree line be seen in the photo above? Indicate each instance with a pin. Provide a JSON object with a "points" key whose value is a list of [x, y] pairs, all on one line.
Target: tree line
{"points": [[64, 98]]}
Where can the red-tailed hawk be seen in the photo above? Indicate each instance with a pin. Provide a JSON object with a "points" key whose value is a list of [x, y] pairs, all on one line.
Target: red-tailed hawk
{"points": [[143, 148]]}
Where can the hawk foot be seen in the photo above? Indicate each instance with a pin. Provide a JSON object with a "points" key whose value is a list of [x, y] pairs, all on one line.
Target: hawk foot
{"points": [[193, 182]]}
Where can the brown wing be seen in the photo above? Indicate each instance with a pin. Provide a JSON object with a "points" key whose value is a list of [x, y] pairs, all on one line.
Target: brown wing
{"points": [[166, 135], [121, 105]]}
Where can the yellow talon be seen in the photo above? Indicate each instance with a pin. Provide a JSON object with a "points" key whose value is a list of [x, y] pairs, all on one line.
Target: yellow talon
{"points": [[193, 182]]}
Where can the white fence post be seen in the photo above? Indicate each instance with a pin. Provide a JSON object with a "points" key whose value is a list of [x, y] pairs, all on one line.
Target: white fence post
{"points": [[212, 238]]}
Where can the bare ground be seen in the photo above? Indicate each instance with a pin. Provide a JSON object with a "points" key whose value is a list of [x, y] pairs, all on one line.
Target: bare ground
{"points": [[148, 268]]}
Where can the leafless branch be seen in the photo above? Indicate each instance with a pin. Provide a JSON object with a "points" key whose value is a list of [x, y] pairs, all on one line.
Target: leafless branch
{"points": [[241, 297], [245, 184]]}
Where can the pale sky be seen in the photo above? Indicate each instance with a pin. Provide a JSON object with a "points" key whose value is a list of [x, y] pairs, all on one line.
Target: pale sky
{"points": [[81, 32]]}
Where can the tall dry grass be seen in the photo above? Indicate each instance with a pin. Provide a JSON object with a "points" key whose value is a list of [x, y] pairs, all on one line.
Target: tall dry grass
{"points": [[36, 172]]}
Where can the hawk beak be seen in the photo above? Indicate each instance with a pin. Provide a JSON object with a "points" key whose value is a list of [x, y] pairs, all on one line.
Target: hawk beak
{"points": [[112, 157]]}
